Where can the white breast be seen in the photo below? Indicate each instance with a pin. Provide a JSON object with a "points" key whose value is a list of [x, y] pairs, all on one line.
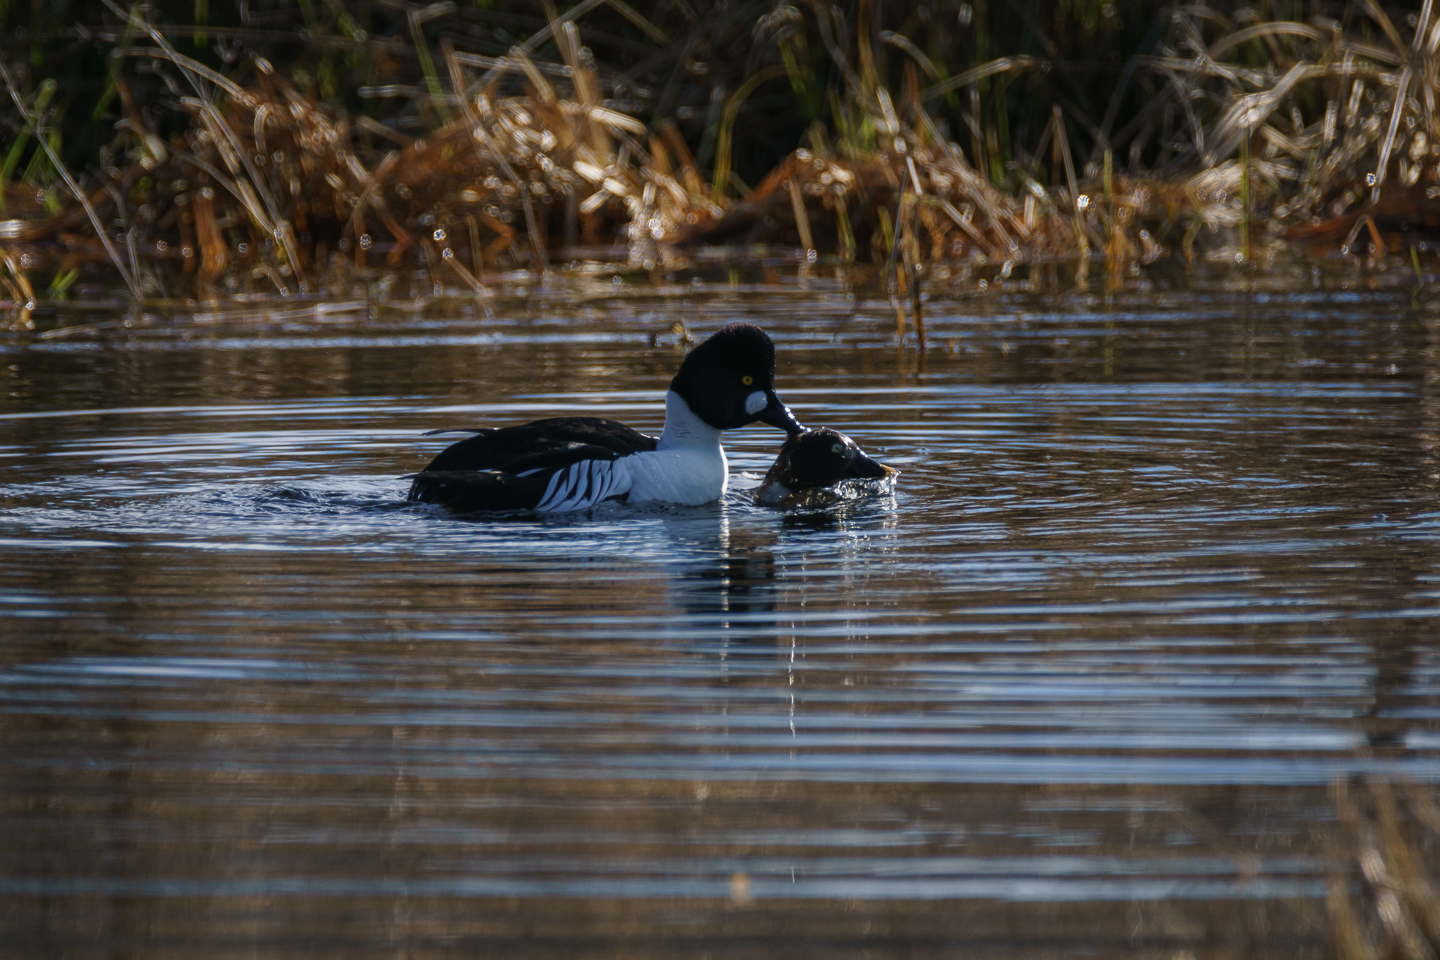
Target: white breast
{"points": [[688, 466], [689, 475]]}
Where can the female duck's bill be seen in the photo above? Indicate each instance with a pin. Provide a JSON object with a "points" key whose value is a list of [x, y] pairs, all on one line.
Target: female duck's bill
{"points": [[820, 467]]}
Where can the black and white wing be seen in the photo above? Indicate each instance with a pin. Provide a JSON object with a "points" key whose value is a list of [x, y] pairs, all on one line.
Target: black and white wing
{"points": [[561, 464]]}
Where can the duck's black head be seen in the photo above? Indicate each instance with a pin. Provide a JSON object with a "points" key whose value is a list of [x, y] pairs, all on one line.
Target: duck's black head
{"points": [[729, 380], [820, 458]]}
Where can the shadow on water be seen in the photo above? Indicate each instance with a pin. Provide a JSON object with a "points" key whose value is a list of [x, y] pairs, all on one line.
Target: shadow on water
{"points": [[1157, 572], [742, 582]]}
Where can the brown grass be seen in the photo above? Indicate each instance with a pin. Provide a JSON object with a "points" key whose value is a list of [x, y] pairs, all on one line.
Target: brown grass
{"points": [[1384, 900], [1263, 135]]}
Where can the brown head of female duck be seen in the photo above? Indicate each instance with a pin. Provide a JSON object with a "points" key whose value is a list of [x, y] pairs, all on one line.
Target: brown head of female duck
{"points": [[819, 467]]}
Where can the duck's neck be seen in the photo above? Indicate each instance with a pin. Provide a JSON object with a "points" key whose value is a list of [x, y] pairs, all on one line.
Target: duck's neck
{"points": [[683, 428]]}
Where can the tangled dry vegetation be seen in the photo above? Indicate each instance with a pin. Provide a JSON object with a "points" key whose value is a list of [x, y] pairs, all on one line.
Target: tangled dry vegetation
{"points": [[1385, 903], [1263, 134]]}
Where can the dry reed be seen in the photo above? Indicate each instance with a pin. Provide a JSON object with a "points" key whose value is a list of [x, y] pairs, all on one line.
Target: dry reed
{"points": [[1260, 134], [1384, 901]]}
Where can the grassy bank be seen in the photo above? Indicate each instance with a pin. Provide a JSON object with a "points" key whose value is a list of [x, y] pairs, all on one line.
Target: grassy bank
{"points": [[188, 152]]}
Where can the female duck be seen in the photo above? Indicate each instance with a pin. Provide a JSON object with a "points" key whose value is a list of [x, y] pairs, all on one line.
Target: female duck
{"points": [[812, 462]]}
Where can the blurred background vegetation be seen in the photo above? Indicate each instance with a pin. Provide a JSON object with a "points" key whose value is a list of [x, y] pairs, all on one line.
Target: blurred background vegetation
{"points": [[662, 61], [252, 142]]}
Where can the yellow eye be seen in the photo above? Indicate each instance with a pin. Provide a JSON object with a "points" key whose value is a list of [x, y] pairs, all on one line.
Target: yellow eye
{"points": [[747, 379]]}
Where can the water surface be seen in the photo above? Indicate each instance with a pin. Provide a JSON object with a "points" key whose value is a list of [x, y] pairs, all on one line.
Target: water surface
{"points": [[1158, 570]]}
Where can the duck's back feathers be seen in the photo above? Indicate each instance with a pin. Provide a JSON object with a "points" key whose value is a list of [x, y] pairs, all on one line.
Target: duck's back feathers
{"points": [[563, 463], [565, 439]]}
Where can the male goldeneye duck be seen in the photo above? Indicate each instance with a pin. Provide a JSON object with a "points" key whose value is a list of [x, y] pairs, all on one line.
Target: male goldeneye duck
{"points": [[819, 467], [571, 463]]}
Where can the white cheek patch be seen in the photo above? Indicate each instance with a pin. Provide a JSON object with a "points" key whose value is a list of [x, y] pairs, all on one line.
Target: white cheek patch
{"points": [[756, 402]]}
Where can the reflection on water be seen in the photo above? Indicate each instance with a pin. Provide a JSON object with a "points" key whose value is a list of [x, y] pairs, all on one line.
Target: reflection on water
{"points": [[1156, 573]]}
